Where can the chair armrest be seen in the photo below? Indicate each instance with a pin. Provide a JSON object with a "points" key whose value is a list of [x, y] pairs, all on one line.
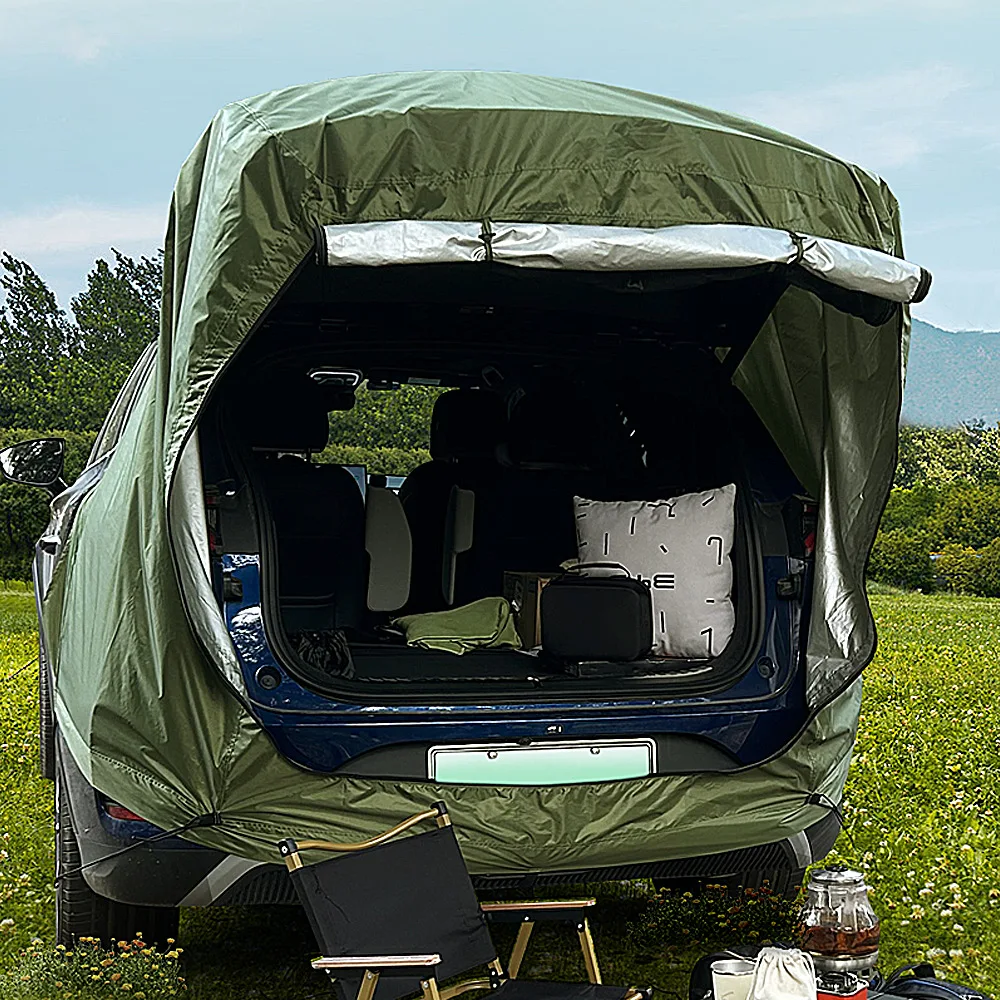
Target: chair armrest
{"points": [[415, 964], [569, 910]]}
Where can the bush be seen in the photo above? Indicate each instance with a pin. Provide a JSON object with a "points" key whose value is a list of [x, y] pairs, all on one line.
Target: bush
{"points": [[384, 461], [398, 418], [986, 581], [910, 508], [968, 515], [902, 558], [130, 969], [957, 567]]}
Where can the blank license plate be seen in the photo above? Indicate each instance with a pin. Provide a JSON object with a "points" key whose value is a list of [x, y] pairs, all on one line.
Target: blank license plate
{"points": [[563, 763]]}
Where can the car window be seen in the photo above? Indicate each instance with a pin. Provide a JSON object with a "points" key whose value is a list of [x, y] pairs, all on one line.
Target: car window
{"points": [[122, 406]]}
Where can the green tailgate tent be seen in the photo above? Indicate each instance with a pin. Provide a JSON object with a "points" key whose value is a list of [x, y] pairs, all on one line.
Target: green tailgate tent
{"points": [[147, 683]]}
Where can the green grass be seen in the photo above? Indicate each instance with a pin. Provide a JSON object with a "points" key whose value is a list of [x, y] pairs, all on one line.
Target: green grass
{"points": [[922, 823]]}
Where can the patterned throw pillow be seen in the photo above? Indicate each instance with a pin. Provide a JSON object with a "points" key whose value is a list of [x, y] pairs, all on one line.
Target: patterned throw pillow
{"points": [[680, 549]]}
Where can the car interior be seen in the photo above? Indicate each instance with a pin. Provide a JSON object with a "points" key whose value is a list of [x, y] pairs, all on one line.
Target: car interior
{"points": [[535, 404]]}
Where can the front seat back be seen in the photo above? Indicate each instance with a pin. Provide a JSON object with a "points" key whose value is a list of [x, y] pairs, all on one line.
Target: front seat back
{"points": [[467, 427]]}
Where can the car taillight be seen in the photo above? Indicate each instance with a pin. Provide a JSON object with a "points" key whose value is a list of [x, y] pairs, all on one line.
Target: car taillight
{"points": [[116, 811]]}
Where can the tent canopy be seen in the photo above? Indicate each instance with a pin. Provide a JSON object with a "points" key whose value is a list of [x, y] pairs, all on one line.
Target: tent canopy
{"points": [[148, 688]]}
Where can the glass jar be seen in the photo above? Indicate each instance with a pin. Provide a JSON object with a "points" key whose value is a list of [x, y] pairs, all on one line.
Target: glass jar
{"points": [[837, 924]]}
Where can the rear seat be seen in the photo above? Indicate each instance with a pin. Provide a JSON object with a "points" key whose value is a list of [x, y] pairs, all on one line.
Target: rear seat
{"points": [[318, 516]]}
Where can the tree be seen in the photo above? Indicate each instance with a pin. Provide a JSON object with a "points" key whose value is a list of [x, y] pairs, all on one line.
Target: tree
{"points": [[57, 372]]}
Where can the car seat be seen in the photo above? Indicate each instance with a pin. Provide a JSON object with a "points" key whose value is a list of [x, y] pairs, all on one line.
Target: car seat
{"points": [[316, 510], [439, 496]]}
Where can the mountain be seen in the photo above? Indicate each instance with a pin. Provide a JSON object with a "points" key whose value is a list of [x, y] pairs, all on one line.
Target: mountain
{"points": [[952, 378]]}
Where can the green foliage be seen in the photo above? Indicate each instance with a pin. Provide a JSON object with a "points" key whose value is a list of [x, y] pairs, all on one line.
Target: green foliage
{"points": [[902, 557], [62, 372], [910, 508], [968, 515], [90, 972], [922, 805], [385, 461], [986, 582], [398, 418], [958, 566], [940, 457], [715, 918], [946, 501]]}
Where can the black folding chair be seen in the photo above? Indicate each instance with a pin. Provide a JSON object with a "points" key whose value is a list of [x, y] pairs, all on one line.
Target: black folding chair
{"points": [[396, 916]]}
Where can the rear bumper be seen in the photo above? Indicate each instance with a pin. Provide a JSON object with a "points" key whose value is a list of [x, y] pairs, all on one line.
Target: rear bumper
{"points": [[266, 883], [175, 872]]}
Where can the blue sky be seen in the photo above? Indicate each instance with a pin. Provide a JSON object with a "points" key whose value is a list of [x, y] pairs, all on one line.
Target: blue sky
{"points": [[103, 99]]}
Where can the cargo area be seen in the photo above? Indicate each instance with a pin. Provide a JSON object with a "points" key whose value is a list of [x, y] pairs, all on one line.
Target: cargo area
{"points": [[547, 392]]}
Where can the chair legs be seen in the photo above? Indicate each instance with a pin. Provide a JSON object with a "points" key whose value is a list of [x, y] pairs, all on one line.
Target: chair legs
{"points": [[520, 946], [429, 988], [586, 947], [367, 988], [589, 953]]}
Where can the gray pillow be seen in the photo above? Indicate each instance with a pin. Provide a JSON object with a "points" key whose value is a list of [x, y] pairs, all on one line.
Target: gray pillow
{"points": [[680, 549]]}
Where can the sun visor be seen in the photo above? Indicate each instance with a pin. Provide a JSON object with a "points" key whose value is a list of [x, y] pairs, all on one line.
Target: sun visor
{"points": [[816, 260]]}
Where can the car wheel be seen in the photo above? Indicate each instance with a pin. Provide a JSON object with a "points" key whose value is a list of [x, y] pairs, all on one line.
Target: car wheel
{"points": [[46, 720], [81, 912]]}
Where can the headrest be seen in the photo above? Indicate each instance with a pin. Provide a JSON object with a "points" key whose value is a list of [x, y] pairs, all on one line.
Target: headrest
{"points": [[555, 428], [286, 418], [467, 424]]}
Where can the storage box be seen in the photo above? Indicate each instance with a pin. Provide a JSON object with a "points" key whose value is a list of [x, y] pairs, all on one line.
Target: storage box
{"points": [[523, 591]]}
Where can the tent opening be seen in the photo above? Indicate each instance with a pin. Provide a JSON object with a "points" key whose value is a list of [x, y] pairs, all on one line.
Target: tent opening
{"points": [[519, 399]]}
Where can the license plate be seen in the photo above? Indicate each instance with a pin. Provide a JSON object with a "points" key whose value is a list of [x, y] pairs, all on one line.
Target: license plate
{"points": [[563, 763]]}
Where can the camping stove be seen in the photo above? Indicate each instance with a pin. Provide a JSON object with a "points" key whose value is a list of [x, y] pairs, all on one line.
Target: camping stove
{"points": [[840, 986]]}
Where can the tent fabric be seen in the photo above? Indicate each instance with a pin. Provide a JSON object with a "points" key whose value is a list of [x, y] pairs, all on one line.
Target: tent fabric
{"points": [[610, 248], [147, 689], [484, 624]]}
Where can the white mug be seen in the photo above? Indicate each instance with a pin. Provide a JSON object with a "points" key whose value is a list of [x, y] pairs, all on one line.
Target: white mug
{"points": [[732, 978]]}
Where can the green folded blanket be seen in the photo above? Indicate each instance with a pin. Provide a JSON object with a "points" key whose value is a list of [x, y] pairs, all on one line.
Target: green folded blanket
{"points": [[484, 624]]}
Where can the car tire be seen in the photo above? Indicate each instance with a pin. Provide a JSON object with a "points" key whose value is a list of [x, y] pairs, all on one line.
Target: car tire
{"points": [[46, 720], [81, 912]]}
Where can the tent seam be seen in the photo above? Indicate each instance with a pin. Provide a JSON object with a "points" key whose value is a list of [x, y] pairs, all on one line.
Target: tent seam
{"points": [[134, 771], [387, 182], [562, 216]]}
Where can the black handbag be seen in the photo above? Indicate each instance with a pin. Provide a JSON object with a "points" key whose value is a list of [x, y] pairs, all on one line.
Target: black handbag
{"points": [[596, 618], [920, 983]]}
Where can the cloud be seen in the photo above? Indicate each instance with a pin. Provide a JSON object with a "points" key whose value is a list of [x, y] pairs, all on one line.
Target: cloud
{"points": [[880, 122], [85, 31], [75, 230]]}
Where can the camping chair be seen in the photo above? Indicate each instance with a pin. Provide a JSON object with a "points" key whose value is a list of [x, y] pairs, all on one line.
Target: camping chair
{"points": [[396, 916]]}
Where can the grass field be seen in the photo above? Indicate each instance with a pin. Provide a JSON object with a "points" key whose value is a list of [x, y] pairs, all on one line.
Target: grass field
{"points": [[921, 814]]}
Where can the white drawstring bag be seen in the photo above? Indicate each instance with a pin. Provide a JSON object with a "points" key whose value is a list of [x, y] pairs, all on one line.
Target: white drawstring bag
{"points": [[783, 974]]}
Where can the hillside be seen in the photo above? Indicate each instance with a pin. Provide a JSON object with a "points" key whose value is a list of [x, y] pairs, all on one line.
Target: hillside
{"points": [[952, 377]]}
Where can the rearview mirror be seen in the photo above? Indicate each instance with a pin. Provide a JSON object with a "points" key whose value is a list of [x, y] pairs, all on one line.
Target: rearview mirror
{"points": [[35, 463]]}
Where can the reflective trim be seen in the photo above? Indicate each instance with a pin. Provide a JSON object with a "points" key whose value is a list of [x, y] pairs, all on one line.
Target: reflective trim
{"points": [[611, 248], [802, 849], [222, 877]]}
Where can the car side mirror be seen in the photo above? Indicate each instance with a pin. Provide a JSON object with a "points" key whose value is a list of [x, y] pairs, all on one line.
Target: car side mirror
{"points": [[35, 463]]}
